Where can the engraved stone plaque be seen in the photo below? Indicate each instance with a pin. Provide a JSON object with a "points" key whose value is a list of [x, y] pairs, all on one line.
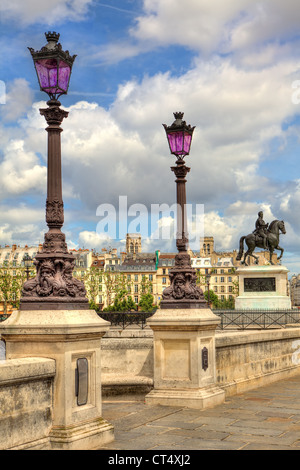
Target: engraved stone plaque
{"points": [[262, 284]]}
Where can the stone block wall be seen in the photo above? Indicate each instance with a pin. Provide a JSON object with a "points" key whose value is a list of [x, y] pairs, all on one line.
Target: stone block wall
{"points": [[249, 359], [26, 400], [244, 359]]}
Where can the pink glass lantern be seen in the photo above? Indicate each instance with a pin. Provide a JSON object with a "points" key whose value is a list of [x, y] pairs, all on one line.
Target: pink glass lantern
{"points": [[53, 66], [179, 136]]}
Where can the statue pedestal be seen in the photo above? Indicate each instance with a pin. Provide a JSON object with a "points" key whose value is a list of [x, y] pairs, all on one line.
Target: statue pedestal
{"points": [[72, 338], [184, 359], [263, 288]]}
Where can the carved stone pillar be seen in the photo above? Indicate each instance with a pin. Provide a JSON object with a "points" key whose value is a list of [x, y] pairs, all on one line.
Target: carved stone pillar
{"points": [[54, 286]]}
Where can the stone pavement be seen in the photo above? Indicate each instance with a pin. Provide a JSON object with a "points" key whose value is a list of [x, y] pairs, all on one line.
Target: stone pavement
{"points": [[267, 418]]}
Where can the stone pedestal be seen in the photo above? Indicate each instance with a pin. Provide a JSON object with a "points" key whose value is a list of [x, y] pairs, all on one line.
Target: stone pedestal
{"points": [[66, 336], [263, 288], [184, 359]]}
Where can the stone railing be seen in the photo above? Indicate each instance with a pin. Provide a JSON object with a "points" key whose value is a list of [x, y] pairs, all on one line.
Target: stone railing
{"points": [[244, 359]]}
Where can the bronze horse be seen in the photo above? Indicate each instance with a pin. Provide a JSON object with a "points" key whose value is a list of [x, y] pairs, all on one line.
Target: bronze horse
{"points": [[252, 241]]}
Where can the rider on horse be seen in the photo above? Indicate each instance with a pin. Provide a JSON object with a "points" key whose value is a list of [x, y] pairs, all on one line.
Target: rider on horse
{"points": [[261, 229]]}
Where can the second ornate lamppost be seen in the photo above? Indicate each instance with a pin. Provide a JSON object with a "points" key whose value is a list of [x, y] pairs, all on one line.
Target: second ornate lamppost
{"points": [[54, 285], [183, 291], [28, 264]]}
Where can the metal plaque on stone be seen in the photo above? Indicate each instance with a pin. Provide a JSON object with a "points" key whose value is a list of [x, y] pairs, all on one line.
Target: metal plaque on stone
{"points": [[81, 381], [260, 284], [204, 358]]}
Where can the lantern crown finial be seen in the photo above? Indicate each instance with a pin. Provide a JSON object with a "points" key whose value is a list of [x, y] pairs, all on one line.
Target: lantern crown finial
{"points": [[52, 36], [178, 115]]}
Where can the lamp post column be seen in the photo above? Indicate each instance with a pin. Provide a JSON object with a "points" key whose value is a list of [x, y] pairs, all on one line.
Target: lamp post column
{"points": [[54, 116], [181, 171], [54, 285]]}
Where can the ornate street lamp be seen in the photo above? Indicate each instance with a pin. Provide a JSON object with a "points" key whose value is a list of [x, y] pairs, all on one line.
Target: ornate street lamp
{"points": [[54, 286], [183, 291], [27, 263]]}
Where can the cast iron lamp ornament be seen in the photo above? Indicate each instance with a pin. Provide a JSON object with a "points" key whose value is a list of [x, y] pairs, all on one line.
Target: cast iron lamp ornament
{"points": [[54, 286], [183, 291], [27, 263]]}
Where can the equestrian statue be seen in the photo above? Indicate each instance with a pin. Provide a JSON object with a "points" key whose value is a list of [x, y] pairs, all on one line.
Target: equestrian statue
{"points": [[264, 236]]}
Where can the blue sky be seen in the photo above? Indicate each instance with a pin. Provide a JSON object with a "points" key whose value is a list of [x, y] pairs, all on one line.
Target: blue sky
{"points": [[232, 67]]}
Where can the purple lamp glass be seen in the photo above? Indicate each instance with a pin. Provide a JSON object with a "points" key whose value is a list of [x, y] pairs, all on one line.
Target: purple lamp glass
{"points": [[179, 136], [53, 66]]}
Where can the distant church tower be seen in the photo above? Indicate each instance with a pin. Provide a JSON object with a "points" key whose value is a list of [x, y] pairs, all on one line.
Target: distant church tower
{"points": [[133, 243], [206, 246]]}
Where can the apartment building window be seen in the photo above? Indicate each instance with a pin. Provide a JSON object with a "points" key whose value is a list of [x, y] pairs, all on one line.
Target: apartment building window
{"points": [[100, 288], [215, 289], [136, 277], [229, 279], [222, 289], [136, 299], [164, 280], [136, 288], [222, 279], [164, 271], [150, 277], [216, 279], [128, 277], [229, 288]]}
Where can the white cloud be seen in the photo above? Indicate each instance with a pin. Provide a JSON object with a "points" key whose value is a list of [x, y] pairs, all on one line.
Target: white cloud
{"points": [[193, 23], [18, 99], [21, 224], [214, 25], [20, 171], [32, 11]]}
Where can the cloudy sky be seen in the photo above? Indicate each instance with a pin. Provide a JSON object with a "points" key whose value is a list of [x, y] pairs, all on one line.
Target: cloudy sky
{"points": [[232, 67]]}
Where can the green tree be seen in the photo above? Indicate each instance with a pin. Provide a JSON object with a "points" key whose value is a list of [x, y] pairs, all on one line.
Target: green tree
{"points": [[117, 288], [11, 281], [213, 298], [147, 300], [93, 285]]}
